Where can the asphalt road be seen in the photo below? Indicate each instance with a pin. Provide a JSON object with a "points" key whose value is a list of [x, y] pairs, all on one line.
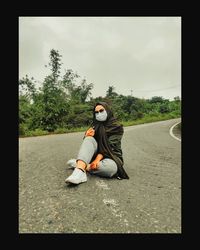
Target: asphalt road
{"points": [[149, 202]]}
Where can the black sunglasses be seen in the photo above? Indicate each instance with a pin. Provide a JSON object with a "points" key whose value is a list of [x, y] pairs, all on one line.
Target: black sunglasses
{"points": [[100, 111]]}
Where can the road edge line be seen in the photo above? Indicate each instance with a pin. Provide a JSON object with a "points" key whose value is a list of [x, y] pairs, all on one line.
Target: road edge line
{"points": [[171, 131]]}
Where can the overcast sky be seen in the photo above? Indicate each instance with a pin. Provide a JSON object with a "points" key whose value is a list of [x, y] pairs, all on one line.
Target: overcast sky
{"points": [[142, 54]]}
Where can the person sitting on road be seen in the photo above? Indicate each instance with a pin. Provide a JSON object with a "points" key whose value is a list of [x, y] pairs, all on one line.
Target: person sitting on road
{"points": [[100, 152]]}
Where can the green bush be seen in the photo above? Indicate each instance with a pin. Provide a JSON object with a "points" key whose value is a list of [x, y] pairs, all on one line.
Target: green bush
{"points": [[36, 132], [61, 130], [22, 129]]}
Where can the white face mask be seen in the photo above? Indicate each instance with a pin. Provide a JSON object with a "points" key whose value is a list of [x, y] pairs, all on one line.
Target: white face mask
{"points": [[101, 116]]}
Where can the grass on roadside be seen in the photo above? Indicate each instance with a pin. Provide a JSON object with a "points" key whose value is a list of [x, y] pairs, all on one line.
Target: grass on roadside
{"points": [[145, 119], [39, 132], [148, 118]]}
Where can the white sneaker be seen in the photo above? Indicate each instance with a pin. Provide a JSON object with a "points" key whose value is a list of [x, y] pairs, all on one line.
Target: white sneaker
{"points": [[77, 177], [72, 163]]}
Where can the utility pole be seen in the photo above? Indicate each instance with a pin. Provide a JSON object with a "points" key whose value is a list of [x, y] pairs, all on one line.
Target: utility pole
{"points": [[131, 92]]}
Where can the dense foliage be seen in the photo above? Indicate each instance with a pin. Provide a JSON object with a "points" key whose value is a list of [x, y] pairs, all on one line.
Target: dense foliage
{"points": [[63, 103]]}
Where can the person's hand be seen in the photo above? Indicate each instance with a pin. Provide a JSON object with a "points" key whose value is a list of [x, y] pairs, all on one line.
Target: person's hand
{"points": [[90, 132], [93, 165]]}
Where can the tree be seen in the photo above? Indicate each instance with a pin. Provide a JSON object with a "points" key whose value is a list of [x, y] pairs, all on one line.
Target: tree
{"points": [[55, 64], [55, 105], [129, 103], [76, 93], [110, 92], [27, 87], [177, 99], [27, 96], [80, 115], [68, 82], [54, 102], [156, 99], [24, 109], [85, 90], [164, 108]]}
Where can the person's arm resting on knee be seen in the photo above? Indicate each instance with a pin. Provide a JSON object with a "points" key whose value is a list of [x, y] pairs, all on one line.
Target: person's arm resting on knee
{"points": [[93, 165]]}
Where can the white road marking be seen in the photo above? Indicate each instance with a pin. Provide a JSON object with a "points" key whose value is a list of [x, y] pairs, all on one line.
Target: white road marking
{"points": [[112, 203], [171, 131], [102, 184]]}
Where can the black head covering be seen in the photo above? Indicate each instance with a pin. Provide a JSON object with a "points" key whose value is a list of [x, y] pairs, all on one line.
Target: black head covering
{"points": [[111, 125], [103, 130]]}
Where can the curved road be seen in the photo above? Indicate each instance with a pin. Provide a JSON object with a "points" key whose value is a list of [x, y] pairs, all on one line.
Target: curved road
{"points": [[149, 202]]}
